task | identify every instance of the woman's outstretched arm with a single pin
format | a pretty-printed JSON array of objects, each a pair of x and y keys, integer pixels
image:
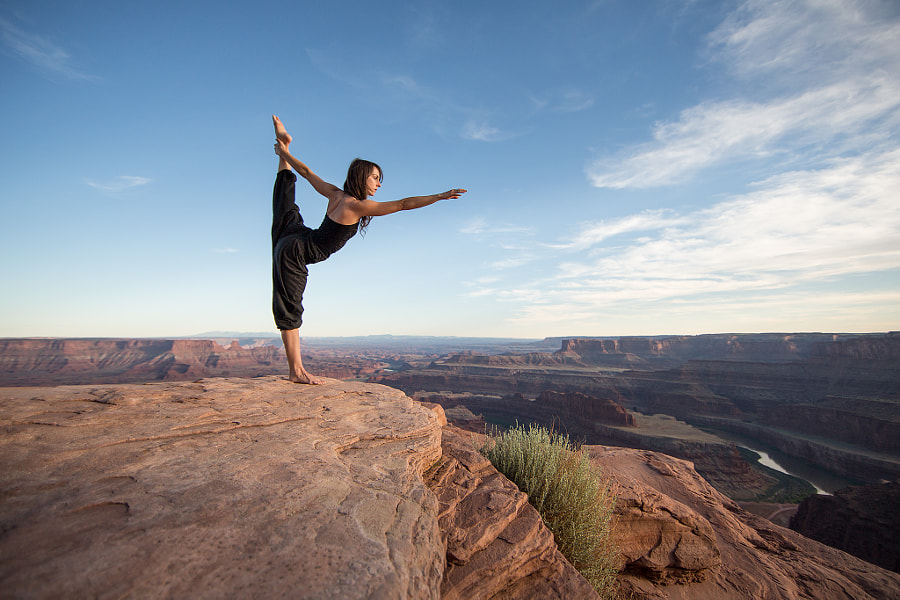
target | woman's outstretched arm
[
  {"x": 371, "y": 208},
  {"x": 320, "y": 185}
]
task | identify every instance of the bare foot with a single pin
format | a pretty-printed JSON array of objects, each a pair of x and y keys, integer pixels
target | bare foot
[
  {"x": 280, "y": 132},
  {"x": 305, "y": 377}
]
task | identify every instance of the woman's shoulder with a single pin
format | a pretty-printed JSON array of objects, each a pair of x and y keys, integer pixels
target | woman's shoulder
[{"x": 345, "y": 211}]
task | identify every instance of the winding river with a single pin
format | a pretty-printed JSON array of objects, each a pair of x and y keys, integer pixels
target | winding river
[
  {"x": 767, "y": 461},
  {"x": 824, "y": 481}
]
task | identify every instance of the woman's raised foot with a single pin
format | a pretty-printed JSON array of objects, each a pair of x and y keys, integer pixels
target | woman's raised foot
[{"x": 280, "y": 132}]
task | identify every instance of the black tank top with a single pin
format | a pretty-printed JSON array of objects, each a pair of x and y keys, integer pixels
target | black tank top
[{"x": 328, "y": 239}]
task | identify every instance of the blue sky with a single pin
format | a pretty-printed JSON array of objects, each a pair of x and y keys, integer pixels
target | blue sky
[{"x": 635, "y": 168}]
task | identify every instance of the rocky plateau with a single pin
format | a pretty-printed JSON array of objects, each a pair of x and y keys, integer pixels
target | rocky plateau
[{"x": 259, "y": 488}]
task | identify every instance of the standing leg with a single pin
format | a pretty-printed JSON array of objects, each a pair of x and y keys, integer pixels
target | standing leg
[
  {"x": 286, "y": 217},
  {"x": 291, "y": 339}
]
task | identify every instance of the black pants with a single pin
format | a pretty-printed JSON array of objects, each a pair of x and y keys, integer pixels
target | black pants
[{"x": 289, "y": 270}]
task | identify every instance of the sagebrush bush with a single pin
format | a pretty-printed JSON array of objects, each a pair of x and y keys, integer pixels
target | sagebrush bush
[{"x": 574, "y": 500}]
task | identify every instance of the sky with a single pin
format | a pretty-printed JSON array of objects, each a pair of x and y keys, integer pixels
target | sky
[{"x": 634, "y": 168}]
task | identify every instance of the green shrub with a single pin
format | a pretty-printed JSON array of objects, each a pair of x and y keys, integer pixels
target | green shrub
[{"x": 574, "y": 500}]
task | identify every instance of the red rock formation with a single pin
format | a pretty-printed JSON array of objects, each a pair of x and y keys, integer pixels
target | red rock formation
[
  {"x": 676, "y": 530},
  {"x": 719, "y": 463},
  {"x": 675, "y": 350},
  {"x": 541, "y": 359},
  {"x": 224, "y": 488},
  {"x": 80, "y": 361},
  {"x": 568, "y": 406},
  {"x": 873, "y": 350},
  {"x": 577, "y": 412},
  {"x": 497, "y": 544},
  {"x": 598, "y": 420},
  {"x": 861, "y": 520}
]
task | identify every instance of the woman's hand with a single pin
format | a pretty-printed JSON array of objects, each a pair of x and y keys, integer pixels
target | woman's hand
[
  {"x": 280, "y": 148},
  {"x": 452, "y": 194}
]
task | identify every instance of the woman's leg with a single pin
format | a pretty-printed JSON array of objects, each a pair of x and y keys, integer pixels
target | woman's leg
[
  {"x": 286, "y": 218},
  {"x": 282, "y": 134},
  {"x": 291, "y": 339}
]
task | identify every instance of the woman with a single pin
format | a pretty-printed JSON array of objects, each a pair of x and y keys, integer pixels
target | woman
[{"x": 294, "y": 245}]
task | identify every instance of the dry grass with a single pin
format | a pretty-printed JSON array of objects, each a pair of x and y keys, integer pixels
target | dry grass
[{"x": 572, "y": 497}]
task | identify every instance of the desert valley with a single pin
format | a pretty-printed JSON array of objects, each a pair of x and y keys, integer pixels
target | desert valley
[{"x": 800, "y": 429}]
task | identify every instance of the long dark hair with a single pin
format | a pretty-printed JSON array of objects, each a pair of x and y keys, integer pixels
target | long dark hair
[{"x": 355, "y": 184}]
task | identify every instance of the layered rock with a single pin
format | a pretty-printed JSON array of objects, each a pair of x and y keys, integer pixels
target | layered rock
[
  {"x": 35, "y": 362},
  {"x": 258, "y": 488},
  {"x": 718, "y": 462},
  {"x": 861, "y": 520},
  {"x": 682, "y": 539},
  {"x": 497, "y": 544},
  {"x": 250, "y": 488},
  {"x": 581, "y": 410},
  {"x": 598, "y": 420},
  {"x": 671, "y": 351},
  {"x": 855, "y": 463},
  {"x": 845, "y": 391}
]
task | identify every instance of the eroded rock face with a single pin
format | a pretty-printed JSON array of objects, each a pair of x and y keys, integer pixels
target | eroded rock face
[
  {"x": 676, "y": 529},
  {"x": 42, "y": 362},
  {"x": 661, "y": 539},
  {"x": 861, "y": 520},
  {"x": 497, "y": 544},
  {"x": 243, "y": 488}
]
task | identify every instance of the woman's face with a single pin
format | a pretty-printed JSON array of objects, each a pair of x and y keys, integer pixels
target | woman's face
[{"x": 373, "y": 182}]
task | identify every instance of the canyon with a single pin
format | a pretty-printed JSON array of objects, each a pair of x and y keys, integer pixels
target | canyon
[
  {"x": 260, "y": 488},
  {"x": 43, "y": 361},
  {"x": 829, "y": 400}
]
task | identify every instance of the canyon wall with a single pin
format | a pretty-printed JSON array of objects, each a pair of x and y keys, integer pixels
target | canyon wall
[
  {"x": 80, "y": 361},
  {"x": 259, "y": 488},
  {"x": 861, "y": 520},
  {"x": 830, "y": 399},
  {"x": 594, "y": 420},
  {"x": 671, "y": 351}
]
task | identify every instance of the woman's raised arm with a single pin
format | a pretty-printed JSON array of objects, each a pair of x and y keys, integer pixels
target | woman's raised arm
[{"x": 320, "y": 185}]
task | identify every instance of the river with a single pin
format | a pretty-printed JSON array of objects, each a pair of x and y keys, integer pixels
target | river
[
  {"x": 767, "y": 461},
  {"x": 824, "y": 481}
]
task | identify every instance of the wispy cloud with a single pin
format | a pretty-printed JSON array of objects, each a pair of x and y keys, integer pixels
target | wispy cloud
[
  {"x": 795, "y": 229},
  {"x": 481, "y": 131},
  {"x": 41, "y": 52},
  {"x": 571, "y": 100},
  {"x": 480, "y": 225},
  {"x": 832, "y": 87},
  {"x": 433, "y": 104},
  {"x": 118, "y": 184},
  {"x": 712, "y": 134},
  {"x": 808, "y": 40},
  {"x": 594, "y": 233}
]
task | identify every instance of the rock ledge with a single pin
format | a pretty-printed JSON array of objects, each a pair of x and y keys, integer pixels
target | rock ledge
[{"x": 250, "y": 488}]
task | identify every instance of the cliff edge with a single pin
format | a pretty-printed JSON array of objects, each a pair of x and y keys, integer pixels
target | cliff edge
[
  {"x": 259, "y": 488},
  {"x": 256, "y": 488},
  {"x": 243, "y": 488}
]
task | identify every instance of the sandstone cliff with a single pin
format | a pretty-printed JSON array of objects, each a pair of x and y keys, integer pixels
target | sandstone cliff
[
  {"x": 861, "y": 520},
  {"x": 258, "y": 488},
  {"x": 253, "y": 488},
  {"x": 677, "y": 531},
  {"x": 671, "y": 351},
  {"x": 31, "y": 362},
  {"x": 829, "y": 399}
]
